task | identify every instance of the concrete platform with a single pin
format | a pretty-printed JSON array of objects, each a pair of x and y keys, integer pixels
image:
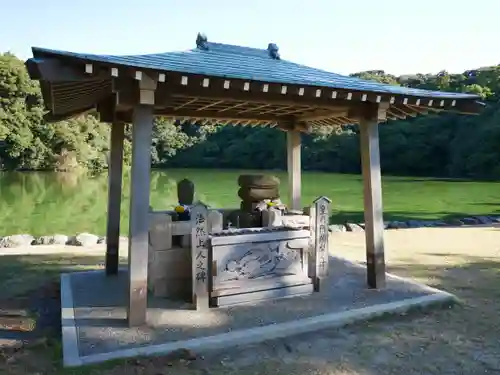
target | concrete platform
[{"x": 94, "y": 327}]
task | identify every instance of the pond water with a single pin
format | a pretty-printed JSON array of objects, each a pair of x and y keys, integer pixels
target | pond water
[{"x": 43, "y": 203}]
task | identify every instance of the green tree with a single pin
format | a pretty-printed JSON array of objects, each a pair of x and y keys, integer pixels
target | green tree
[{"x": 445, "y": 144}]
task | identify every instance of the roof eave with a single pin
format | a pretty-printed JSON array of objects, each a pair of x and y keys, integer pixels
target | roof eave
[
  {"x": 53, "y": 67},
  {"x": 88, "y": 58}
]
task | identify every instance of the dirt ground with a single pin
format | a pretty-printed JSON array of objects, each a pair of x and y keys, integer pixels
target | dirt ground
[{"x": 462, "y": 340}]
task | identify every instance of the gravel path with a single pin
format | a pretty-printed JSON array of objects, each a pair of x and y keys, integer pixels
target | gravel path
[
  {"x": 462, "y": 340},
  {"x": 64, "y": 249}
]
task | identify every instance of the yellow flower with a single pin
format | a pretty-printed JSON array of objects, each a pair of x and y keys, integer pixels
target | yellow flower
[{"x": 180, "y": 209}]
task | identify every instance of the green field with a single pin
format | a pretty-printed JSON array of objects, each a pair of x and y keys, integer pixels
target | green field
[{"x": 49, "y": 203}]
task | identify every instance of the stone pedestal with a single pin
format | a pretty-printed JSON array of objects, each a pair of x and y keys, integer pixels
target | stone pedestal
[
  {"x": 170, "y": 260},
  {"x": 169, "y": 271}
]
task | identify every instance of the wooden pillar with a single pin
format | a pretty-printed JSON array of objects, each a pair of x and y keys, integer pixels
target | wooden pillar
[
  {"x": 372, "y": 192},
  {"x": 294, "y": 169},
  {"x": 139, "y": 212},
  {"x": 115, "y": 169}
]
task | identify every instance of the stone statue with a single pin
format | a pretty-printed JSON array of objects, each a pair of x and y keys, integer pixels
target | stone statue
[{"x": 185, "y": 192}]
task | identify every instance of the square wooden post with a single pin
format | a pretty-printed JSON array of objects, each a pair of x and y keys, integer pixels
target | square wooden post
[
  {"x": 139, "y": 213},
  {"x": 115, "y": 169},
  {"x": 294, "y": 168},
  {"x": 372, "y": 192}
]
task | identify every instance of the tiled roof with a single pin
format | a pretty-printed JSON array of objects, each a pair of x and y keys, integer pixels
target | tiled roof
[{"x": 236, "y": 62}]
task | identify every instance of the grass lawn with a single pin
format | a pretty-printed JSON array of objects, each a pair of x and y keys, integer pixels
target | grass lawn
[
  {"x": 461, "y": 340},
  {"x": 48, "y": 203}
]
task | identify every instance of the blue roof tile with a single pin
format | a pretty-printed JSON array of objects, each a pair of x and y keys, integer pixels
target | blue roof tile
[{"x": 236, "y": 62}]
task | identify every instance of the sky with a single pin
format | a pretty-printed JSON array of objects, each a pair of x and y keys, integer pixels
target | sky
[{"x": 400, "y": 37}]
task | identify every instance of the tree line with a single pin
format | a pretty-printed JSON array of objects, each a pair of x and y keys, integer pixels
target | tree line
[{"x": 444, "y": 145}]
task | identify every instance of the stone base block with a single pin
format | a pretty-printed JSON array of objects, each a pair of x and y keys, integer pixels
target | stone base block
[
  {"x": 175, "y": 288},
  {"x": 169, "y": 272},
  {"x": 186, "y": 242}
]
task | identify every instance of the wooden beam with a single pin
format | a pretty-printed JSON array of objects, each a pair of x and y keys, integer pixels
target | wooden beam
[
  {"x": 372, "y": 192},
  {"x": 293, "y": 148},
  {"x": 50, "y": 69},
  {"x": 395, "y": 113},
  {"x": 404, "y": 110},
  {"x": 107, "y": 109},
  {"x": 419, "y": 110},
  {"x": 341, "y": 111},
  {"x": 235, "y": 94},
  {"x": 51, "y": 117},
  {"x": 115, "y": 169},
  {"x": 139, "y": 214},
  {"x": 219, "y": 115}
]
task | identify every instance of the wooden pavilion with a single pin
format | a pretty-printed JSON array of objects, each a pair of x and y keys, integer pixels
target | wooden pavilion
[{"x": 220, "y": 83}]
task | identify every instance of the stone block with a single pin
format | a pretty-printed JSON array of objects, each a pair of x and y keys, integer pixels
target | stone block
[
  {"x": 215, "y": 221},
  {"x": 186, "y": 242},
  {"x": 175, "y": 262},
  {"x": 160, "y": 231},
  {"x": 178, "y": 288},
  {"x": 181, "y": 228},
  {"x": 296, "y": 221},
  {"x": 271, "y": 218},
  {"x": 169, "y": 273}
]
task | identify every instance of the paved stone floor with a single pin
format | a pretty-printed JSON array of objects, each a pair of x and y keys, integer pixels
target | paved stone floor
[{"x": 99, "y": 308}]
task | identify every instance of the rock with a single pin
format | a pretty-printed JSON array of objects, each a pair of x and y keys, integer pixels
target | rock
[
  {"x": 351, "y": 227},
  {"x": 414, "y": 224},
  {"x": 397, "y": 225},
  {"x": 57, "y": 239},
  {"x": 392, "y": 225},
  {"x": 60, "y": 239},
  {"x": 455, "y": 222},
  {"x": 101, "y": 240},
  {"x": 469, "y": 221},
  {"x": 483, "y": 219},
  {"x": 258, "y": 181},
  {"x": 85, "y": 239},
  {"x": 439, "y": 223},
  {"x": 337, "y": 228},
  {"x": 258, "y": 194},
  {"x": 17, "y": 240}
]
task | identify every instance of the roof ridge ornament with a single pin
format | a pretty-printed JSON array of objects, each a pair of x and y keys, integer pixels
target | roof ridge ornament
[
  {"x": 273, "y": 49},
  {"x": 202, "y": 41}
]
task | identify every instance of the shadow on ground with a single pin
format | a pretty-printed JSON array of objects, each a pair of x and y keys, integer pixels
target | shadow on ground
[
  {"x": 463, "y": 339},
  {"x": 30, "y": 306}
]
